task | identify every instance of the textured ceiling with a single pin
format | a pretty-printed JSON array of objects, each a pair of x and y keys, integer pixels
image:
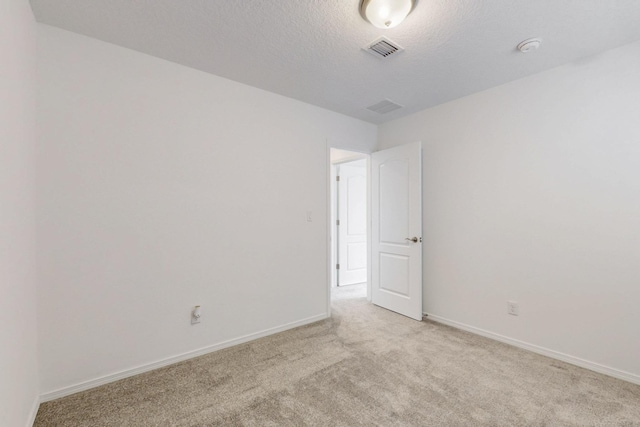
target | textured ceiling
[{"x": 311, "y": 49}]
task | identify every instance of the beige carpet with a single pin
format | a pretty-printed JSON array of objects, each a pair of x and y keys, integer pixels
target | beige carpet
[{"x": 365, "y": 366}]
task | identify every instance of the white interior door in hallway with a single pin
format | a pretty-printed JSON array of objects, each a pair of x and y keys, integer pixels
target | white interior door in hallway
[
  {"x": 352, "y": 222},
  {"x": 396, "y": 220}
]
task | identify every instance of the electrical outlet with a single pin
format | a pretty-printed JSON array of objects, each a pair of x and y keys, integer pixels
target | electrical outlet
[
  {"x": 195, "y": 315},
  {"x": 513, "y": 308}
]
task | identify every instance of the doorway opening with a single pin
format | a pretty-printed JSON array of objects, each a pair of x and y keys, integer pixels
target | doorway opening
[
  {"x": 349, "y": 223},
  {"x": 392, "y": 260}
]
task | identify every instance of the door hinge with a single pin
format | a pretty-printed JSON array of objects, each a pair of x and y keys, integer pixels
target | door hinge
[
  {"x": 337, "y": 177},
  {"x": 337, "y": 266},
  {"x": 337, "y": 222}
]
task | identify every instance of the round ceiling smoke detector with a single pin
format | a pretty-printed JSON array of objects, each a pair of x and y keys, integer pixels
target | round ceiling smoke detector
[{"x": 529, "y": 45}]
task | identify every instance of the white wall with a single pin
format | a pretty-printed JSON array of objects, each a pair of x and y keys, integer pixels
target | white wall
[
  {"x": 532, "y": 193},
  {"x": 162, "y": 187},
  {"x": 18, "y": 334}
]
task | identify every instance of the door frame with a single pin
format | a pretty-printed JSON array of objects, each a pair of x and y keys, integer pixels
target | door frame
[{"x": 331, "y": 227}]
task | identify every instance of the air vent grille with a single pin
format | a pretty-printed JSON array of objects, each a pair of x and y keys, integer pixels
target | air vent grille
[
  {"x": 383, "y": 48},
  {"x": 385, "y": 106}
]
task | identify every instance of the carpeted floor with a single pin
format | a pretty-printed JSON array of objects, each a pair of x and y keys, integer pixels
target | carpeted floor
[{"x": 365, "y": 366}]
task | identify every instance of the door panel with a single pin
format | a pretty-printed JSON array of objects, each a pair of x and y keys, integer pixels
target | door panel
[
  {"x": 394, "y": 274},
  {"x": 352, "y": 231},
  {"x": 357, "y": 256},
  {"x": 396, "y": 199},
  {"x": 356, "y": 202}
]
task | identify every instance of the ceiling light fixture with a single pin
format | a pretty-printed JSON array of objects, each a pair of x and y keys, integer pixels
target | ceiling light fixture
[{"x": 386, "y": 13}]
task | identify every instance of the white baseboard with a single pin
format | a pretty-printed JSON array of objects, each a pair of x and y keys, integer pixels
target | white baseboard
[
  {"x": 612, "y": 372},
  {"x": 85, "y": 385},
  {"x": 33, "y": 412}
]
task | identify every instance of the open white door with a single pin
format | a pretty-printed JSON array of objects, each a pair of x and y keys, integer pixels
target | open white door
[
  {"x": 396, "y": 247},
  {"x": 352, "y": 222}
]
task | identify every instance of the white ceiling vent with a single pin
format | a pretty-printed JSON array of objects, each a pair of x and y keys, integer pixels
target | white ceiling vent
[
  {"x": 383, "y": 48},
  {"x": 385, "y": 106}
]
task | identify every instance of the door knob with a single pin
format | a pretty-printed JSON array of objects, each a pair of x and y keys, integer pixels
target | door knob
[{"x": 412, "y": 239}]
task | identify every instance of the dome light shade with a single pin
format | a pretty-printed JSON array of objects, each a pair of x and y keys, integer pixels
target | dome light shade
[{"x": 385, "y": 13}]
